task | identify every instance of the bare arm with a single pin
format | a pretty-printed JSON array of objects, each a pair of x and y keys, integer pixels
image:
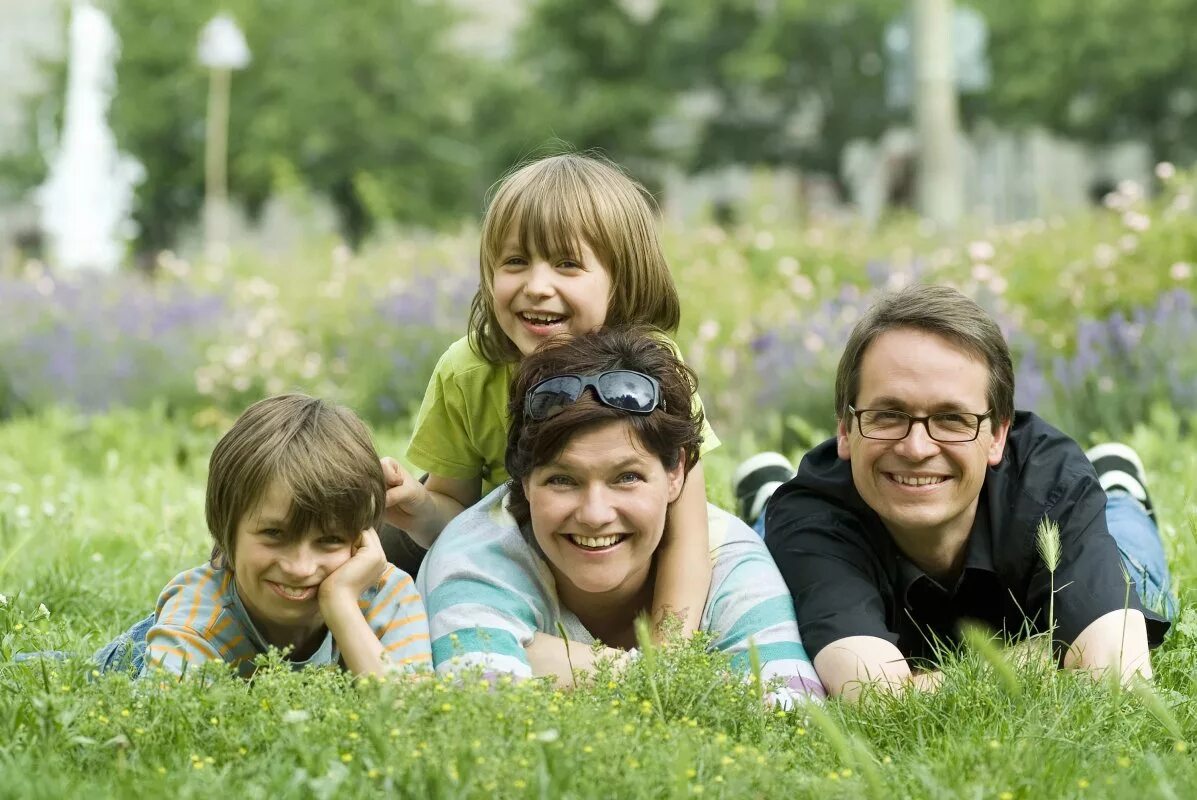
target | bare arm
[
  {"x": 683, "y": 559},
  {"x": 1113, "y": 641},
  {"x": 848, "y": 665},
  {"x": 424, "y": 509},
  {"x": 339, "y": 593},
  {"x": 552, "y": 655}
]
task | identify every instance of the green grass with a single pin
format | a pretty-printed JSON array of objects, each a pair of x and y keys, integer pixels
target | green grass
[{"x": 97, "y": 514}]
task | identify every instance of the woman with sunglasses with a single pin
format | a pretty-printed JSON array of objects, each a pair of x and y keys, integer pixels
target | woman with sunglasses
[{"x": 603, "y": 432}]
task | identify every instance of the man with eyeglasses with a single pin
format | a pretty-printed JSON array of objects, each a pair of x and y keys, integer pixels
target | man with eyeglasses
[{"x": 923, "y": 513}]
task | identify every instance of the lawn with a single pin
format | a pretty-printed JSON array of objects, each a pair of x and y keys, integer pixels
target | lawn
[{"x": 113, "y": 392}]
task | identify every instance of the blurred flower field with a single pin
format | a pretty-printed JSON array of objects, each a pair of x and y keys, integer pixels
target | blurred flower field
[{"x": 1099, "y": 311}]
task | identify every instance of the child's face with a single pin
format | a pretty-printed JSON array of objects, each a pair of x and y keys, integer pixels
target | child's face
[
  {"x": 538, "y": 297},
  {"x": 278, "y": 572}
]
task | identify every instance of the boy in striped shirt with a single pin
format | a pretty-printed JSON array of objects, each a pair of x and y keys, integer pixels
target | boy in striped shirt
[{"x": 295, "y": 492}]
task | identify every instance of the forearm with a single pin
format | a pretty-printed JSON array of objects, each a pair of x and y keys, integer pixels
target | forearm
[
  {"x": 683, "y": 577},
  {"x": 1116, "y": 642},
  {"x": 431, "y": 517},
  {"x": 360, "y": 649},
  {"x": 853, "y": 664},
  {"x": 559, "y": 658}
]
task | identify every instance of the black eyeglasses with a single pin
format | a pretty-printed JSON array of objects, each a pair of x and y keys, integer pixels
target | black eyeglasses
[
  {"x": 951, "y": 427},
  {"x": 623, "y": 389}
]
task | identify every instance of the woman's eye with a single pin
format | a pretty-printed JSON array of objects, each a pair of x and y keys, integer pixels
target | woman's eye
[
  {"x": 559, "y": 480},
  {"x": 271, "y": 533},
  {"x": 630, "y": 477}
]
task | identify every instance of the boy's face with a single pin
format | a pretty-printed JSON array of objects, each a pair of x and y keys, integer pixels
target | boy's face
[
  {"x": 538, "y": 296},
  {"x": 278, "y": 572}
]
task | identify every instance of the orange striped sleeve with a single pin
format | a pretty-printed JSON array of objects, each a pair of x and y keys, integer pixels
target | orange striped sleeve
[
  {"x": 390, "y": 600},
  {"x": 399, "y": 623},
  {"x": 198, "y": 598},
  {"x": 415, "y": 637}
]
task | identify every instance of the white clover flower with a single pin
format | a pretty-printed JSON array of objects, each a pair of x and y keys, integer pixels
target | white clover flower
[
  {"x": 42, "y": 610},
  {"x": 3, "y": 600},
  {"x": 980, "y": 251},
  {"x": 1136, "y": 221},
  {"x": 1165, "y": 170},
  {"x": 1181, "y": 271}
]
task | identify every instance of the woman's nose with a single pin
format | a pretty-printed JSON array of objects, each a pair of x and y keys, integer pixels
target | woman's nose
[{"x": 596, "y": 510}]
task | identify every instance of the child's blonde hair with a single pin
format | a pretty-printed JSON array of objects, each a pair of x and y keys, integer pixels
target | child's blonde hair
[{"x": 556, "y": 201}]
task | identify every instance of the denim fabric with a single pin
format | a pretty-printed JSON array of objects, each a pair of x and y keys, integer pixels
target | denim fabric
[
  {"x": 1142, "y": 552},
  {"x": 126, "y": 652},
  {"x": 758, "y": 525}
]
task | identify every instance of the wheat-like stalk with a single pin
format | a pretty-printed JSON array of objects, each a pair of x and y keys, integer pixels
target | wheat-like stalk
[{"x": 1047, "y": 540}]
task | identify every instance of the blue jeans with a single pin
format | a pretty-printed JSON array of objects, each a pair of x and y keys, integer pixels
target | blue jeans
[
  {"x": 1138, "y": 542},
  {"x": 1142, "y": 551},
  {"x": 126, "y": 652}
]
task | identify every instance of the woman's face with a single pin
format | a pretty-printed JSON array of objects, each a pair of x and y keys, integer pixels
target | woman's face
[{"x": 598, "y": 510}]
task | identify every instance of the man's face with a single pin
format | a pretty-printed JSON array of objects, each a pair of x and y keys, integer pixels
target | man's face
[{"x": 922, "y": 489}]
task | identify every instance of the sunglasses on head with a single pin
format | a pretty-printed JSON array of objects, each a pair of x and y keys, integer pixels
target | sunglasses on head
[{"x": 621, "y": 389}]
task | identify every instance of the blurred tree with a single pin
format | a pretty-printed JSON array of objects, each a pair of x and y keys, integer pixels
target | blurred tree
[
  {"x": 749, "y": 81},
  {"x": 366, "y": 102},
  {"x": 1100, "y": 70}
]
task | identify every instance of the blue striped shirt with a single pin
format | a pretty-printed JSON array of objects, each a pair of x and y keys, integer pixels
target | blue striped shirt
[{"x": 489, "y": 591}]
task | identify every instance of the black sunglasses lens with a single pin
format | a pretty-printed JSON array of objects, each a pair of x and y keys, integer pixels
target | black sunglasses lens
[
  {"x": 627, "y": 391},
  {"x": 549, "y": 397}
]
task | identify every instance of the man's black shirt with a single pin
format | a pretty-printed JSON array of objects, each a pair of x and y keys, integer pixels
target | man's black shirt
[{"x": 849, "y": 578}]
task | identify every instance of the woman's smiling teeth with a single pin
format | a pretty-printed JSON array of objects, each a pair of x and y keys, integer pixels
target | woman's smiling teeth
[
  {"x": 917, "y": 480},
  {"x": 596, "y": 542}
]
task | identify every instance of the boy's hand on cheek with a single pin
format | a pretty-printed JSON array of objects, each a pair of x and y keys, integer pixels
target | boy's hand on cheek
[
  {"x": 405, "y": 494},
  {"x": 363, "y": 569}
]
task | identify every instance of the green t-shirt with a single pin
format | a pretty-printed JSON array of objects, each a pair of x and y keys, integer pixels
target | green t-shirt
[{"x": 461, "y": 428}]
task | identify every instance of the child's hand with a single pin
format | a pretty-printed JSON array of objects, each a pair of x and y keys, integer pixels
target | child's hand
[
  {"x": 363, "y": 569},
  {"x": 405, "y": 494}
]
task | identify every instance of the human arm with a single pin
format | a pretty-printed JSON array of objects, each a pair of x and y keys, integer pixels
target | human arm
[
  {"x": 552, "y": 656},
  {"x": 189, "y": 628},
  {"x": 683, "y": 559},
  {"x": 362, "y": 650},
  {"x": 424, "y": 509},
  {"x": 1114, "y": 641},
  {"x": 848, "y": 665},
  {"x": 750, "y": 610},
  {"x": 483, "y": 586}
]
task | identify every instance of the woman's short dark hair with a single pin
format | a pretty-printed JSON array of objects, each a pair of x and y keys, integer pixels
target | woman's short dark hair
[{"x": 672, "y": 431}]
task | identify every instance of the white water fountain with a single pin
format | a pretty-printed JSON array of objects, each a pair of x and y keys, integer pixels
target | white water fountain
[{"x": 87, "y": 200}]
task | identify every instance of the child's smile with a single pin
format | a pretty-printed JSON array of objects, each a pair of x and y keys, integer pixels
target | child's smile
[
  {"x": 538, "y": 297},
  {"x": 279, "y": 572}
]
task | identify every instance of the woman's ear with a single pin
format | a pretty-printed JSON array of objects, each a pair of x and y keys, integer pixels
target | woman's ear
[{"x": 677, "y": 476}]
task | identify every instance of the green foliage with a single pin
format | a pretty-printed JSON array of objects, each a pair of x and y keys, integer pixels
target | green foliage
[
  {"x": 355, "y": 98},
  {"x": 1102, "y": 71}
]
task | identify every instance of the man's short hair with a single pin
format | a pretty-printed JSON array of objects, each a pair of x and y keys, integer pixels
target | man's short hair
[
  {"x": 321, "y": 452},
  {"x": 674, "y": 427},
  {"x": 940, "y": 310}
]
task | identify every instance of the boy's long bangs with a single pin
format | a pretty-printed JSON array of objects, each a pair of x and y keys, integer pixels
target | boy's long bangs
[{"x": 335, "y": 481}]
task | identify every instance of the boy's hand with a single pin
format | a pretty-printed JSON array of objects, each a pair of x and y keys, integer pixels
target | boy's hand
[
  {"x": 363, "y": 569},
  {"x": 405, "y": 494}
]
